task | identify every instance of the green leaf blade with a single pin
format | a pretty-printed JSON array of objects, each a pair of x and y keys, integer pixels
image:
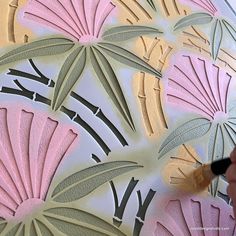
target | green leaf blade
[
  {"x": 230, "y": 29},
  {"x": 216, "y": 38},
  {"x": 108, "y": 78},
  {"x": 42, "y": 47},
  {"x": 70, "y": 73},
  {"x": 85, "y": 181},
  {"x": 193, "y": 19},
  {"x": 188, "y": 131},
  {"x": 128, "y": 58},
  {"x": 123, "y": 33},
  {"x": 81, "y": 219}
]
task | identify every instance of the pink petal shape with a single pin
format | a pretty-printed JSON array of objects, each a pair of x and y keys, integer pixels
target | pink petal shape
[
  {"x": 206, "y": 5},
  {"x": 80, "y": 20},
  {"x": 32, "y": 146},
  {"x": 195, "y": 216},
  {"x": 196, "y": 84}
]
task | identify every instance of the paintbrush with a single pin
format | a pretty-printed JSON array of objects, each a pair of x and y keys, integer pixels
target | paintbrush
[{"x": 203, "y": 176}]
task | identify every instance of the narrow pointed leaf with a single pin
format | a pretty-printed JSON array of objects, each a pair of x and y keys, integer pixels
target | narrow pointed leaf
[
  {"x": 216, "y": 144},
  {"x": 3, "y": 224},
  {"x": 188, "y": 131},
  {"x": 42, "y": 47},
  {"x": 69, "y": 75},
  {"x": 14, "y": 230},
  {"x": 81, "y": 222},
  {"x": 128, "y": 58},
  {"x": 216, "y": 38},
  {"x": 110, "y": 83},
  {"x": 230, "y": 29},
  {"x": 193, "y": 19},
  {"x": 215, "y": 152},
  {"x": 123, "y": 33},
  {"x": 151, "y": 4},
  {"x": 85, "y": 181},
  {"x": 44, "y": 229}
]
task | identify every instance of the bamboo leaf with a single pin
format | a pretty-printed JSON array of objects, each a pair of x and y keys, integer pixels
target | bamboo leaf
[
  {"x": 110, "y": 83},
  {"x": 85, "y": 181},
  {"x": 193, "y": 19},
  {"x": 151, "y": 4},
  {"x": 3, "y": 224},
  {"x": 123, "y": 33},
  {"x": 230, "y": 29},
  {"x": 69, "y": 75},
  {"x": 42, "y": 47},
  {"x": 188, "y": 131},
  {"x": 216, "y": 38},
  {"x": 128, "y": 58},
  {"x": 75, "y": 222},
  {"x": 216, "y": 144}
]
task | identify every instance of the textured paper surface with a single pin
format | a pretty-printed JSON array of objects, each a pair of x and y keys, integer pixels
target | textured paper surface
[{"x": 106, "y": 107}]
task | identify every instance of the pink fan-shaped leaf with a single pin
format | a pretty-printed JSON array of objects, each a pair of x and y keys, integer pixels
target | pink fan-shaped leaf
[
  {"x": 80, "y": 20},
  {"x": 32, "y": 145},
  {"x": 206, "y": 5},
  {"x": 198, "y": 85}
]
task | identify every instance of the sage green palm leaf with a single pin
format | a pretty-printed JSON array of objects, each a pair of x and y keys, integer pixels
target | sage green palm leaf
[
  {"x": 128, "y": 58},
  {"x": 108, "y": 79},
  {"x": 123, "y": 33},
  {"x": 85, "y": 181},
  {"x": 216, "y": 38},
  {"x": 69, "y": 74},
  {"x": 75, "y": 222},
  {"x": 42, "y": 47}
]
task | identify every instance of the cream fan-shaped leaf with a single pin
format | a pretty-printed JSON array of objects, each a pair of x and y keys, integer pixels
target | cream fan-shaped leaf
[
  {"x": 77, "y": 222},
  {"x": 85, "y": 181}
]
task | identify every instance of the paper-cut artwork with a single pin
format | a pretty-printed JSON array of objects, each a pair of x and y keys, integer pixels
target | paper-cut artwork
[{"x": 106, "y": 106}]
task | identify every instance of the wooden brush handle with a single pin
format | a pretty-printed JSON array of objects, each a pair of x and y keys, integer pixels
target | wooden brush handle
[{"x": 219, "y": 167}]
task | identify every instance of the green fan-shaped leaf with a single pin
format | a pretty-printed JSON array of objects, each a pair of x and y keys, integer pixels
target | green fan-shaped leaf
[
  {"x": 230, "y": 29},
  {"x": 128, "y": 58},
  {"x": 188, "y": 131},
  {"x": 193, "y": 19},
  {"x": 215, "y": 152},
  {"x": 85, "y": 181},
  {"x": 123, "y": 33},
  {"x": 69, "y": 75},
  {"x": 42, "y": 47},
  {"x": 151, "y": 4},
  {"x": 216, "y": 38},
  {"x": 110, "y": 83},
  {"x": 76, "y": 222}
]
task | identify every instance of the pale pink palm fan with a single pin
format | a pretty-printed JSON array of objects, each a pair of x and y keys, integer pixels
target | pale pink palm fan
[
  {"x": 195, "y": 216},
  {"x": 198, "y": 85},
  {"x": 80, "y": 20},
  {"x": 32, "y": 145},
  {"x": 206, "y": 5}
]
